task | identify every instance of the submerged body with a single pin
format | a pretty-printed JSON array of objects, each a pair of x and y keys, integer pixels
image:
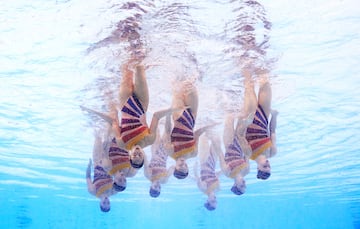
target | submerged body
[
  {"x": 184, "y": 140},
  {"x": 156, "y": 170},
  {"x": 260, "y": 134},
  {"x": 208, "y": 181}
]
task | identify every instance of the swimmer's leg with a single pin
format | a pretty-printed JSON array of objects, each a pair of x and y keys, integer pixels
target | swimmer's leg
[
  {"x": 191, "y": 99},
  {"x": 204, "y": 149},
  {"x": 250, "y": 105},
  {"x": 126, "y": 85},
  {"x": 265, "y": 94},
  {"x": 140, "y": 87},
  {"x": 228, "y": 134},
  {"x": 177, "y": 101},
  {"x": 250, "y": 101}
]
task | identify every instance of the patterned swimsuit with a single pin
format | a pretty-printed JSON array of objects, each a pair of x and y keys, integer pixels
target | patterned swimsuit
[
  {"x": 207, "y": 173},
  {"x": 235, "y": 158},
  {"x": 102, "y": 180},
  {"x": 119, "y": 158},
  {"x": 158, "y": 163},
  {"x": 182, "y": 135},
  {"x": 133, "y": 122},
  {"x": 257, "y": 133}
]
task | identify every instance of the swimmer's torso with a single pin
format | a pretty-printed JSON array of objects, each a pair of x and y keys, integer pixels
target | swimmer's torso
[
  {"x": 258, "y": 135},
  {"x": 157, "y": 163},
  {"x": 235, "y": 158},
  {"x": 182, "y": 135},
  {"x": 119, "y": 159},
  {"x": 103, "y": 182},
  {"x": 133, "y": 122}
]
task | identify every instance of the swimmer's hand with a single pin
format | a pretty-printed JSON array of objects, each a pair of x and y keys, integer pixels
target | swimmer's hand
[{"x": 162, "y": 113}]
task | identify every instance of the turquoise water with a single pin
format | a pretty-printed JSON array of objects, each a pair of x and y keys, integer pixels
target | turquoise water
[{"x": 45, "y": 139}]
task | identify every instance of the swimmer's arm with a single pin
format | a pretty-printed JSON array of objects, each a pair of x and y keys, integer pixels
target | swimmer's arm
[
  {"x": 169, "y": 172},
  {"x": 273, "y": 148},
  {"x": 120, "y": 142},
  {"x": 132, "y": 172},
  {"x": 90, "y": 185},
  {"x": 243, "y": 123},
  {"x": 117, "y": 132},
  {"x": 196, "y": 176},
  {"x": 223, "y": 165},
  {"x": 158, "y": 115},
  {"x": 195, "y": 171},
  {"x": 157, "y": 141},
  {"x": 147, "y": 170},
  {"x": 201, "y": 130},
  {"x": 245, "y": 147},
  {"x": 113, "y": 192},
  {"x": 150, "y": 139},
  {"x": 216, "y": 148},
  {"x": 197, "y": 135},
  {"x": 247, "y": 151},
  {"x": 273, "y": 121},
  {"x": 167, "y": 130},
  {"x": 115, "y": 127},
  {"x": 106, "y": 117},
  {"x": 246, "y": 171},
  {"x": 113, "y": 121},
  {"x": 201, "y": 184}
]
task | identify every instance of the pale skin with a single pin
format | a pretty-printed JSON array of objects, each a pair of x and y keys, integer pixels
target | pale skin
[
  {"x": 264, "y": 99},
  {"x": 156, "y": 184}
]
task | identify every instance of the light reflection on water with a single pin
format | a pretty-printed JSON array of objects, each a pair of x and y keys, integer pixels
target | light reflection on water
[{"x": 46, "y": 140}]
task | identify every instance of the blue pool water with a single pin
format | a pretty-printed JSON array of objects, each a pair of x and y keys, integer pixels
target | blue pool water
[{"x": 47, "y": 71}]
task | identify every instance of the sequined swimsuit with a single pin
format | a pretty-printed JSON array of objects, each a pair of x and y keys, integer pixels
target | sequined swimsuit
[
  {"x": 133, "y": 122},
  {"x": 257, "y": 133},
  {"x": 119, "y": 158},
  {"x": 102, "y": 180},
  {"x": 207, "y": 173},
  {"x": 182, "y": 135},
  {"x": 235, "y": 158},
  {"x": 158, "y": 163}
]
